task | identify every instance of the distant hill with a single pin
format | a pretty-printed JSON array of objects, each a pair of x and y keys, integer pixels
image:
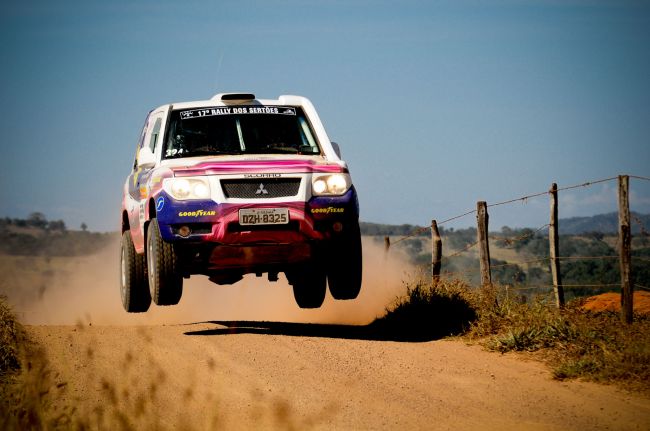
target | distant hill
[
  {"x": 374, "y": 229},
  {"x": 37, "y": 236},
  {"x": 603, "y": 223}
]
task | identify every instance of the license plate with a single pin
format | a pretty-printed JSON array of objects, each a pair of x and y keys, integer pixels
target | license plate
[{"x": 262, "y": 216}]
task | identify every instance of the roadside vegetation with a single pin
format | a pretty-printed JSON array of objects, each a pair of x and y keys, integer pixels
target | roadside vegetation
[
  {"x": 33, "y": 396},
  {"x": 11, "y": 334},
  {"x": 38, "y": 236},
  {"x": 574, "y": 342},
  {"x": 28, "y": 389},
  {"x": 518, "y": 255}
]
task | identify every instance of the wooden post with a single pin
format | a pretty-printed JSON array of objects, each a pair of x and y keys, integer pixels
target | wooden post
[
  {"x": 436, "y": 251},
  {"x": 483, "y": 246},
  {"x": 625, "y": 250},
  {"x": 554, "y": 244},
  {"x": 386, "y": 245}
]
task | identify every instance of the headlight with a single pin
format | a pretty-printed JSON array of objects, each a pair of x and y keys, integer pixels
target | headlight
[
  {"x": 187, "y": 188},
  {"x": 330, "y": 185}
]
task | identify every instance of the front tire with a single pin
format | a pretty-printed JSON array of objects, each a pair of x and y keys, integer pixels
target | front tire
[
  {"x": 345, "y": 266},
  {"x": 165, "y": 279},
  {"x": 309, "y": 285},
  {"x": 134, "y": 288}
]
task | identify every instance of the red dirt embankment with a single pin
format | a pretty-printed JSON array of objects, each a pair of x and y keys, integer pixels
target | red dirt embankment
[{"x": 612, "y": 302}]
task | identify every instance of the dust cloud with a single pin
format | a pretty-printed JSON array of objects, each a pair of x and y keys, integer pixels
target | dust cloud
[{"x": 67, "y": 291}]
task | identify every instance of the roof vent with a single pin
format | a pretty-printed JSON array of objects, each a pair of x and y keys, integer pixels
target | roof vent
[{"x": 234, "y": 96}]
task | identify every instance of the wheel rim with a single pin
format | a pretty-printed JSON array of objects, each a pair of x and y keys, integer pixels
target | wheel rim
[
  {"x": 151, "y": 266},
  {"x": 123, "y": 271}
]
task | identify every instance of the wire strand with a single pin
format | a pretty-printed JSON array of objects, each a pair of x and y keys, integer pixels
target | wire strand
[
  {"x": 508, "y": 241},
  {"x": 458, "y": 252},
  {"x": 457, "y": 217},
  {"x": 416, "y": 232},
  {"x": 586, "y": 257},
  {"x": 589, "y": 183},
  {"x": 501, "y": 265},
  {"x": 523, "y": 198}
]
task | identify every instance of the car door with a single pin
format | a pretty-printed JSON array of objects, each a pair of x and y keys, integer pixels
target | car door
[{"x": 139, "y": 179}]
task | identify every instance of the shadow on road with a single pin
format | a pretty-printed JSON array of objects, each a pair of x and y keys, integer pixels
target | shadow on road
[
  {"x": 375, "y": 331},
  {"x": 428, "y": 314}
]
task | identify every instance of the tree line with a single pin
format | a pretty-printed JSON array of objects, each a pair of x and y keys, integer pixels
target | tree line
[
  {"x": 38, "y": 236},
  {"x": 528, "y": 244}
]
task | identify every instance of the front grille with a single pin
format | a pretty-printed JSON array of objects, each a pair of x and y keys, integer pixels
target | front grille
[{"x": 261, "y": 188}]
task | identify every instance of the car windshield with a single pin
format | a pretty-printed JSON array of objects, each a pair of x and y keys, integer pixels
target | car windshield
[{"x": 239, "y": 130}]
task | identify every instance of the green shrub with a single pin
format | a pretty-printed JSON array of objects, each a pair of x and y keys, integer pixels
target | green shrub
[
  {"x": 428, "y": 311},
  {"x": 576, "y": 343}
]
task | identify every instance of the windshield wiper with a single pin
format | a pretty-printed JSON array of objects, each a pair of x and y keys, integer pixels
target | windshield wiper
[
  {"x": 203, "y": 153},
  {"x": 277, "y": 150},
  {"x": 211, "y": 153}
]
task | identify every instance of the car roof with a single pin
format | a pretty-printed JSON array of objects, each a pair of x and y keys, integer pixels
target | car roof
[{"x": 234, "y": 99}]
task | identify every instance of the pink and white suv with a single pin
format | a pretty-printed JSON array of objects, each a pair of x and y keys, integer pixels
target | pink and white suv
[{"x": 236, "y": 185}]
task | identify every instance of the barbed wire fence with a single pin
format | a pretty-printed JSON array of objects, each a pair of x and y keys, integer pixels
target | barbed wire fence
[{"x": 553, "y": 259}]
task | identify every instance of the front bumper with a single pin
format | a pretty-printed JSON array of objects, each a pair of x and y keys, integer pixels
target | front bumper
[{"x": 217, "y": 241}]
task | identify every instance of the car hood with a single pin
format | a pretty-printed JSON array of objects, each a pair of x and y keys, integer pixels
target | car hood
[{"x": 232, "y": 165}]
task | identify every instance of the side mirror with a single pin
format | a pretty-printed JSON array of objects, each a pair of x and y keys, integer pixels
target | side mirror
[
  {"x": 146, "y": 157},
  {"x": 337, "y": 149}
]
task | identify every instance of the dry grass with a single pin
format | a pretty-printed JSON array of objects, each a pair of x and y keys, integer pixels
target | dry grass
[
  {"x": 576, "y": 343},
  {"x": 10, "y": 335},
  {"x": 135, "y": 396},
  {"x": 27, "y": 385}
]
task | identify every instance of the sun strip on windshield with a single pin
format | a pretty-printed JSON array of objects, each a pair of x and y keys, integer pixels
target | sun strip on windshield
[{"x": 236, "y": 110}]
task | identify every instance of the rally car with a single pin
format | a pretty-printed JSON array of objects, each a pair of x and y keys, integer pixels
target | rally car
[{"x": 237, "y": 185}]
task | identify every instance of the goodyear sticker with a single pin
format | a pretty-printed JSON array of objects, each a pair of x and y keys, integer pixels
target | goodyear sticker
[
  {"x": 328, "y": 210},
  {"x": 197, "y": 213}
]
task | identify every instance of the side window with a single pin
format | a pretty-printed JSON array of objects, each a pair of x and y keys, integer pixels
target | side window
[
  {"x": 141, "y": 140},
  {"x": 155, "y": 133}
]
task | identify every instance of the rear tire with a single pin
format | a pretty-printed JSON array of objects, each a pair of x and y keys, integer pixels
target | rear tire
[
  {"x": 134, "y": 286},
  {"x": 165, "y": 278},
  {"x": 344, "y": 273},
  {"x": 309, "y": 285}
]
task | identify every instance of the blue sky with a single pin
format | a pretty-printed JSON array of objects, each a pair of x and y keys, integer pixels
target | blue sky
[{"x": 435, "y": 104}]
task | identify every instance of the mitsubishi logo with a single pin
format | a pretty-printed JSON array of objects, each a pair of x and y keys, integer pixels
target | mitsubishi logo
[{"x": 261, "y": 190}]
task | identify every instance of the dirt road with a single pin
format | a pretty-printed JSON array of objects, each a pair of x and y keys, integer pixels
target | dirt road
[
  {"x": 253, "y": 375},
  {"x": 162, "y": 371}
]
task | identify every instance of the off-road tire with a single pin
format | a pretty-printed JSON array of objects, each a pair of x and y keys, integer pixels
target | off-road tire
[
  {"x": 134, "y": 286},
  {"x": 309, "y": 285},
  {"x": 165, "y": 278},
  {"x": 344, "y": 272}
]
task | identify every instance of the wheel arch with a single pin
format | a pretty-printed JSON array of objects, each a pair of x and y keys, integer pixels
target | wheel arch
[
  {"x": 125, "y": 221},
  {"x": 151, "y": 209},
  {"x": 149, "y": 215}
]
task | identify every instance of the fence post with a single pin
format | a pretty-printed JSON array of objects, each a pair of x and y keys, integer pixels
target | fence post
[
  {"x": 436, "y": 251},
  {"x": 483, "y": 246},
  {"x": 386, "y": 245},
  {"x": 625, "y": 252},
  {"x": 554, "y": 244}
]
